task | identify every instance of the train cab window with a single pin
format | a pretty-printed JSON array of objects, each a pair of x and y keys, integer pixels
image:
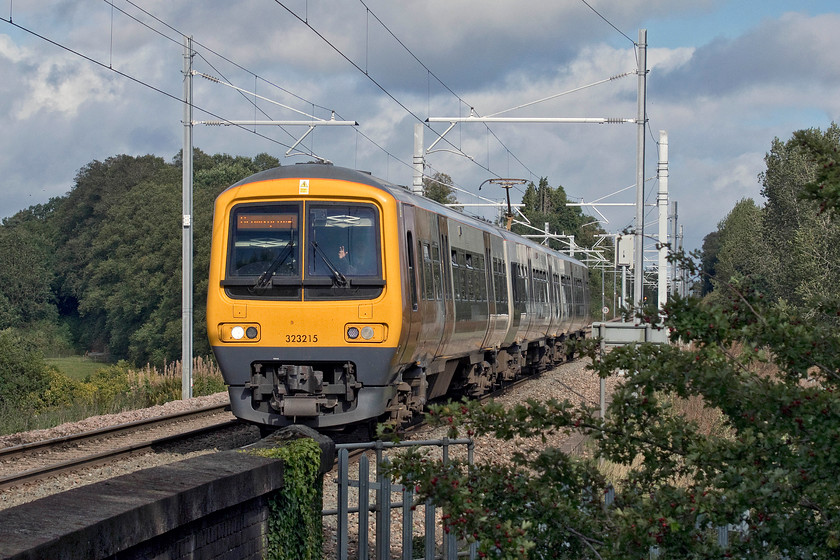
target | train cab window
[
  {"x": 343, "y": 251},
  {"x": 264, "y": 253}
]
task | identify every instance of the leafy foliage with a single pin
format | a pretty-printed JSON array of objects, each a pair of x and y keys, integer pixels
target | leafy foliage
[
  {"x": 544, "y": 204},
  {"x": 823, "y": 151},
  {"x": 22, "y": 370},
  {"x": 735, "y": 257},
  {"x": 770, "y": 378},
  {"x": 294, "y": 524},
  {"x": 25, "y": 279},
  {"x": 36, "y": 395},
  {"x": 790, "y": 246},
  {"x": 438, "y": 187}
]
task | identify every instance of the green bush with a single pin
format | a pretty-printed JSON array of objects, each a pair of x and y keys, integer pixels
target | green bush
[
  {"x": 22, "y": 369},
  {"x": 294, "y": 524},
  {"x": 38, "y": 395}
]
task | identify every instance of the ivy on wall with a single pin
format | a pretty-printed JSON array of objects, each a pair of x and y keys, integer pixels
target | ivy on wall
[{"x": 294, "y": 522}]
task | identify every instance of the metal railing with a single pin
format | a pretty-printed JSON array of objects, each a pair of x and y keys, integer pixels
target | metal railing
[{"x": 445, "y": 548}]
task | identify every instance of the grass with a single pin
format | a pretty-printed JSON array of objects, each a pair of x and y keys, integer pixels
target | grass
[
  {"x": 79, "y": 388},
  {"x": 76, "y": 367}
]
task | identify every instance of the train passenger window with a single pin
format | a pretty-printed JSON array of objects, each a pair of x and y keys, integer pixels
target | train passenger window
[
  {"x": 566, "y": 282},
  {"x": 436, "y": 270},
  {"x": 428, "y": 281},
  {"x": 499, "y": 282},
  {"x": 411, "y": 267}
]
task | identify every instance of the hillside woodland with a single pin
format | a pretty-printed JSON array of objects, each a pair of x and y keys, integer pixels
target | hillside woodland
[{"x": 98, "y": 270}]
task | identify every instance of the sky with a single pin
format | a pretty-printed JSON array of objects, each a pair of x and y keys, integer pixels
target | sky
[{"x": 84, "y": 80}]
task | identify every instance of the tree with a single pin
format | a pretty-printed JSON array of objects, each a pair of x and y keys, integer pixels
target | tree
[
  {"x": 546, "y": 205},
  {"x": 742, "y": 248},
  {"x": 799, "y": 184},
  {"x": 438, "y": 187},
  {"x": 708, "y": 261},
  {"x": 105, "y": 260},
  {"x": 770, "y": 378},
  {"x": 25, "y": 279},
  {"x": 23, "y": 371}
]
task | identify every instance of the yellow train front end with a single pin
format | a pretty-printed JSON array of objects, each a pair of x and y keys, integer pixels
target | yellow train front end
[{"x": 304, "y": 306}]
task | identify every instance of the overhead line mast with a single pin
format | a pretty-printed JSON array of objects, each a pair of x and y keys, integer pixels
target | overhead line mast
[
  {"x": 187, "y": 233},
  {"x": 641, "y": 122}
]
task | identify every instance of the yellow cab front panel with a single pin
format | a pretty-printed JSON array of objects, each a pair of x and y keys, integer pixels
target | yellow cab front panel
[{"x": 304, "y": 304}]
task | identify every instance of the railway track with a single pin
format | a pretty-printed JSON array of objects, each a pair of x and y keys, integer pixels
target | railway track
[
  {"x": 35, "y": 461},
  {"x": 31, "y": 462}
]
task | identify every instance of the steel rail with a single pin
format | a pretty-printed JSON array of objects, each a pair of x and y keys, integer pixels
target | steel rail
[{"x": 102, "y": 457}]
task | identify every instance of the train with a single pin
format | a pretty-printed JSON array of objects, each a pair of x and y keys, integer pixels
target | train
[{"x": 337, "y": 299}]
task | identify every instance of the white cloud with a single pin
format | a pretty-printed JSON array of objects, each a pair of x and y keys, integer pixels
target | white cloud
[
  {"x": 10, "y": 51},
  {"x": 62, "y": 86},
  {"x": 721, "y": 102},
  {"x": 738, "y": 177}
]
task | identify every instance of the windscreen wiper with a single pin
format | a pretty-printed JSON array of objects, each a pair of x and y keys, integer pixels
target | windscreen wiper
[
  {"x": 265, "y": 278},
  {"x": 338, "y": 277}
]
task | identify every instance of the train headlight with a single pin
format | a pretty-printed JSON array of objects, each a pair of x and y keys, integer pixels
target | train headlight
[
  {"x": 365, "y": 332},
  {"x": 239, "y": 332}
]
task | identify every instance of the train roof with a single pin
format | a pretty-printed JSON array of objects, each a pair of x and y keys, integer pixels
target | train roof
[{"x": 329, "y": 171}]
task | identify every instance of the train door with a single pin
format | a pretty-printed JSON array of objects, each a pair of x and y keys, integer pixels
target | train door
[
  {"x": 492, "y": 316},
  {"x": 448, "y": 319},
  {"x": 431, "y": 279},
  {"x": 410, "y": 286}
]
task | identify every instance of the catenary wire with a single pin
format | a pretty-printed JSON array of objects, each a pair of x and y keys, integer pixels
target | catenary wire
[
  {"x": 226, "y": 59},
  {"x": 256, "y": 76},
  {"x": 588, "y": 5},
  {"x": 132, "y": 78},
  {"x": 449, "y": 89},
  {"x": 141, "y": 82}
]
